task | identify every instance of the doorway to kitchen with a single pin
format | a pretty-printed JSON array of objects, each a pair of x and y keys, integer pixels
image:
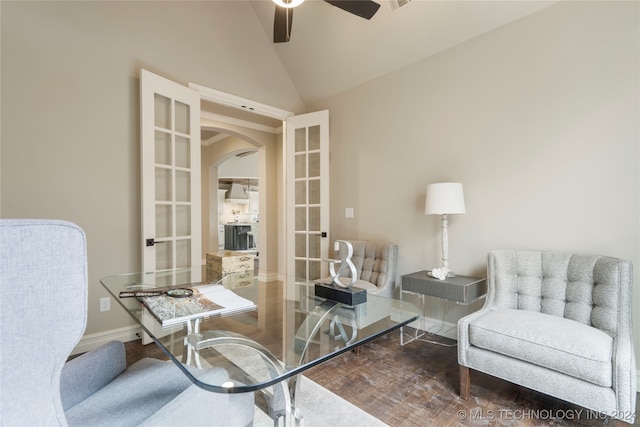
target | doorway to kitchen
[
  {"x": 239, "y": 203},
  {"x": 240, "y": 193}
]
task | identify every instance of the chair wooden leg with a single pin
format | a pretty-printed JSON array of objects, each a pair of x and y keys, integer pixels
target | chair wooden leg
[{"x": 465, "y": 382}]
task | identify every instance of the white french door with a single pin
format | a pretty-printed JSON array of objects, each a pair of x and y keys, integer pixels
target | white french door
[
  {"x": 307, "y": 188},
  {"x": 170, "y": 173},
  {"x": 171, "y": 182}
]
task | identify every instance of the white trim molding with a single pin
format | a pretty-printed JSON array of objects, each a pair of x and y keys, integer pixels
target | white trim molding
[
  {"x": 93, "y": 341},
  {"x": 238, "y": 102},
  {"x": 267, "y": 276},
  {"x": 238, "y": 122}
]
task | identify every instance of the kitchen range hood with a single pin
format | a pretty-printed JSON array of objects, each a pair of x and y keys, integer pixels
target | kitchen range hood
[{"x": 237, "y": 194}]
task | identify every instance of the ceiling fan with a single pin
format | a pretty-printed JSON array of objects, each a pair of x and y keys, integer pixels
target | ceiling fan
[{"x": 284, "y": 14}]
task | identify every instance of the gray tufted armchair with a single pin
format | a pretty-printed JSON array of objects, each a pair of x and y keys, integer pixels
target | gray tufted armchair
[
  {"x": 558, "y": 323},
  {"x": 376, "y": 265}
]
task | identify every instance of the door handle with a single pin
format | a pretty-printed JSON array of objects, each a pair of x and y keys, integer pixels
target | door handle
[{"x": 153, "y": 242}]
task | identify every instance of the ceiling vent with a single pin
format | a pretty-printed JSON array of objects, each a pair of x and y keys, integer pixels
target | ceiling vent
[{"x": 396, "y": 5}]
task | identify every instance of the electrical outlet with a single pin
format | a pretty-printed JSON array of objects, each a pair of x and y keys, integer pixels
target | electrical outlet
[
  {"x": 105, "y": 304},
  {"x": 348, "y": 212}
]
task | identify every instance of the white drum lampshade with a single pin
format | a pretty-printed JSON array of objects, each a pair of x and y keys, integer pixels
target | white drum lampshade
[{"x": 444, "y": 198}]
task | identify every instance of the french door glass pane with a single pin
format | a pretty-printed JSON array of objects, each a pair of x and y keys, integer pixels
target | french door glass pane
[
  {"x": 183, "y": 220},
  {"x": 314, "y": 138},
  {"x": 183, "y": 186},
  {"x": 314, "y": 164},
  {"x": 314, "y": 219},
  {"x": 301, "y": 245},
  {"x": 164, "y": 256},
  {"x": 163, "y": 185},
  {"x": 314, "y": 192},
  {"x": 301, "y": 269},
  {"x": 300, "y": 140},
  {"x": 163, "y": 148},
  {"x": 301, "y": 192},
  {"x": 182, "y": 117},
  {"x": 301, "y": 219},
  {"x": 314, "y": 270},
  {"x": 182, "y": 152},
  {"x": 163, "y": 221},
  {"x": 314, "y": 246},
  {"x": 301, "y": 165},
  {"x": 162, "y": 116},
  {"x": 183, "y": 253}
]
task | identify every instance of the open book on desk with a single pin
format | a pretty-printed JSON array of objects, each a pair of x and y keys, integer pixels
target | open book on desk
[{"x": 207, "y": 300}]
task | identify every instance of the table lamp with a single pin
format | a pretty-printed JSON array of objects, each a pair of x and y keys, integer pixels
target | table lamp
[{"x": 444, "y": 198}]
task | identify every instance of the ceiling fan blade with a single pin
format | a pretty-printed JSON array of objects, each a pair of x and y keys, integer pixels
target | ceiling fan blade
[
  {"x": 362, "y": 8},
  {"x": 282, "y": 24}
]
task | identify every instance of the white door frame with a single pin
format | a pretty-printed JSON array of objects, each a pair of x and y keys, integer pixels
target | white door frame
[
  {"x": 239, "y": 103},
  {"x": 247, "y": 105}
]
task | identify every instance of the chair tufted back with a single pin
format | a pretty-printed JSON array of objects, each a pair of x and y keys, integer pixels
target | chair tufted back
[
  {"x": 375, "y": 262},
  {"x": 585, "y": 288}
]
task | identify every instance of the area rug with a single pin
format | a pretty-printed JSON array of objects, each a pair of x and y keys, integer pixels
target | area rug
[{"x": 320, "y": 407}]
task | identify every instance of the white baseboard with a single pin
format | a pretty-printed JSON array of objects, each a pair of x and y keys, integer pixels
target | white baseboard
[
  {"x": 267, "y": 276},
  {"x": 92, "y": 341}
]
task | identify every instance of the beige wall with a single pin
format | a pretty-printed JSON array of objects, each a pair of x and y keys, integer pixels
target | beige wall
[
  {"x": 540, "y": 122},
  {"x": 70, "y": 120},
  {"x": 538, "y": 119}
]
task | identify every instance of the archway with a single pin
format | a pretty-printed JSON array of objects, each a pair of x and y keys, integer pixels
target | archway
[{"x": 228, "y": 141}]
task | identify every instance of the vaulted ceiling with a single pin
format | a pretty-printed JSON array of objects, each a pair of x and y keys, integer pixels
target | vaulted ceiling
[{"x": 332, "y": 51}]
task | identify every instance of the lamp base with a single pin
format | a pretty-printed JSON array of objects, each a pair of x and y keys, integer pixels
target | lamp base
[{"x": 347, "y": 296}]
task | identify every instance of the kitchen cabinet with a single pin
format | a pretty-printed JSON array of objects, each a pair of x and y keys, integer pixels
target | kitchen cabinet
[
  {"x": 235, "y": 236},
  {"x": 253, "y": 202}
]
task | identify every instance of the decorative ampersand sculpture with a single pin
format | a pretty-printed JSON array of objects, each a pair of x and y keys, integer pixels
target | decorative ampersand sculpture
[{"x": 344, "y": 265}]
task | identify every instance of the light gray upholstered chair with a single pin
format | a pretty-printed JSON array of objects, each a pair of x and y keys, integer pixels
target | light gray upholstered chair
[
  {"x": 43, "y": 297},
  {"x": 558, "y": 323},
  {"x": 376, "y": 264}
]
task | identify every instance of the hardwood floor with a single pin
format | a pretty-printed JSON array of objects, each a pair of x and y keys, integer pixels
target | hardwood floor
[{"x": 417, "y": 385}]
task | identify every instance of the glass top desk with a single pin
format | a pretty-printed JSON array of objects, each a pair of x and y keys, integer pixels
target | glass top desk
[{"x": 286, "y": 331}]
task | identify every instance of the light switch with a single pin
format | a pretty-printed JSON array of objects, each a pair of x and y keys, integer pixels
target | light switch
[{"x": 348, "y": 213}]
